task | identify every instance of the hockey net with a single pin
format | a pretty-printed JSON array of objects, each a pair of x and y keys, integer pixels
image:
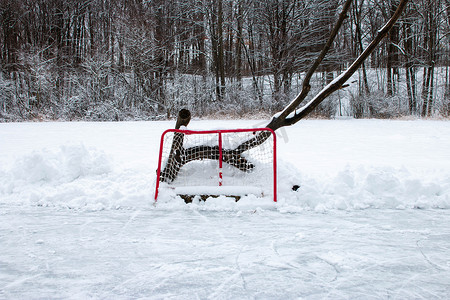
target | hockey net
[{"x": 232, "y": 163}]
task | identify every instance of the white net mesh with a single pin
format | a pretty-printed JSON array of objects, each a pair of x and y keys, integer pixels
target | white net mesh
[{"x": 192, "y": 159}]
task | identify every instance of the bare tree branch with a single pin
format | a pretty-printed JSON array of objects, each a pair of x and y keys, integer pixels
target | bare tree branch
[{"x": 291, "y": 115}]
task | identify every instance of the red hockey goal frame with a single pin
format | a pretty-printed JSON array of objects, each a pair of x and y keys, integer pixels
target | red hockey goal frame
[{"x": 220, "y": 160}]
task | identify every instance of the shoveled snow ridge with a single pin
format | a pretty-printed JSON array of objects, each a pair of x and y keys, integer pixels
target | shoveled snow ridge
[{"x": 78, "y": 177}]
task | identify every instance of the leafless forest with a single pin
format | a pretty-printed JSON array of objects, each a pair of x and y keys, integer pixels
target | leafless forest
[{"x": 123, "y": 60}]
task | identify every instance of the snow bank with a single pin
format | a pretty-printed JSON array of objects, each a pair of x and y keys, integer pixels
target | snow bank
[
  {"x": 343, "y": 165},
  {"x": 68, "y": 164},
  {"x": 83, "y": 178},
  {"x": 71, "y": 177},
  {"x": 365, "y": 187}
]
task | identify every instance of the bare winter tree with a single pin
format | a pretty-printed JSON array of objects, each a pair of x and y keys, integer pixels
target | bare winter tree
[{"x": 291, "y": 114}]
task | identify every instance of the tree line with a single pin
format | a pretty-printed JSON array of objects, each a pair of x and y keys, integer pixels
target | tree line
[{"x": 118, "y": 60}]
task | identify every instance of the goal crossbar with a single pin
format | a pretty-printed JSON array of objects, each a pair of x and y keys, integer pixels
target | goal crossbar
[{"x": 219, "y": 188}]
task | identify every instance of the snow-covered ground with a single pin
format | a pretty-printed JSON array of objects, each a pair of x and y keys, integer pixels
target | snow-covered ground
[{"x": 371, "y": 219}]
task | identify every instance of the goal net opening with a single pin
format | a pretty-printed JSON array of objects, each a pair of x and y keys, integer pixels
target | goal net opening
[{"x": 234, "y": 163}]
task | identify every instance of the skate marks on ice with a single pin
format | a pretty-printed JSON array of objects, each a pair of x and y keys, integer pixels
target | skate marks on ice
[{"x": 215, "y": 254}]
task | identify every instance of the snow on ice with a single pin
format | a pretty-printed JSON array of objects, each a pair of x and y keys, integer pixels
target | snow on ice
[{"x": 370, "y": 219}]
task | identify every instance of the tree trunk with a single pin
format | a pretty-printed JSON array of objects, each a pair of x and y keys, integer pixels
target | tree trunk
[
  {"x": 358, "y": 35},
  {"x": 409, "y": 68},
  {"x": 239, "y": 41}
]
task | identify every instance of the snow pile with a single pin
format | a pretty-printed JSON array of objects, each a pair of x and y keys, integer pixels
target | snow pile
[
  {"x": 365, "y": 187},
  {"x": 68, "y": 164},
  {"x": 353, "y": 188},
  {"x": 362, "y": 165},
  {"x": 71, "y": 177},
  {"x": 81, "y": 178}
]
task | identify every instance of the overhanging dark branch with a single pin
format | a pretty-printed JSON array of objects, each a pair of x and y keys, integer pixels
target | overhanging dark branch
[
  {"x": 291, "y": 115},
  {"x": 278, "y": 121}
]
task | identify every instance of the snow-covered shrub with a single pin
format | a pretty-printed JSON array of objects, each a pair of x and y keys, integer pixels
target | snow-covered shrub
[{"x": 377, "y": 105}]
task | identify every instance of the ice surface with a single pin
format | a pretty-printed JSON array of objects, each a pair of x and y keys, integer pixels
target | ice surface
[{"x": 370, "y": 220}]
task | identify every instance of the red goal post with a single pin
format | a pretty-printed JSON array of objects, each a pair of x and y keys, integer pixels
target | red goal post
[{"x": 197, "y": 161}]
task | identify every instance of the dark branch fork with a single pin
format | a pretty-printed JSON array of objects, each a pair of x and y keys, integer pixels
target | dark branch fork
[
  {"x": 290, "y": 115},
  {"x": 179, "y": 156},
  {"x": 182, "y": 156}
]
